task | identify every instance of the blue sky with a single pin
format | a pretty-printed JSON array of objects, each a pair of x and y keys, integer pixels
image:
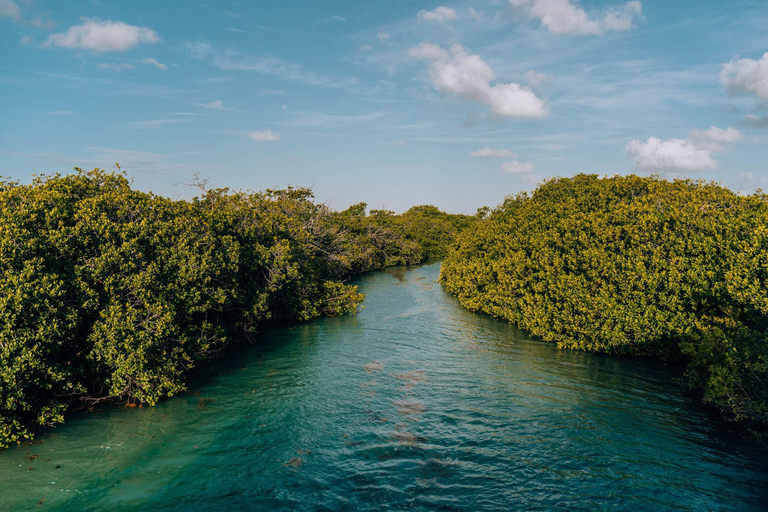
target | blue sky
[{"x": 393, "y": 103}]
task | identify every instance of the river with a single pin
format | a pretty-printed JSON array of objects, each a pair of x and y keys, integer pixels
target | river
[{"x": 413, "y": 404}]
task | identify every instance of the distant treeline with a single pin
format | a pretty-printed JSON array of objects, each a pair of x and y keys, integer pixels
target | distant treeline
[
  {"x": 631, "y": 265},
  {"x": 111, "y": 293}
]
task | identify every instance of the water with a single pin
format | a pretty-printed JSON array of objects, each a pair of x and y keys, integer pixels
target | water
[{"x": 414, "y": 404}]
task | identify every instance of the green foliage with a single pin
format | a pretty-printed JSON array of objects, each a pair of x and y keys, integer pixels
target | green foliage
[
  {"x": 383, "y": 239},
  {"x": 109, "y": 292},
  {"x": 631, "y": 265}
]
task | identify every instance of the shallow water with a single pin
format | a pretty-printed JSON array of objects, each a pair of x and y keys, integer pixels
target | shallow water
[{"x": 414, "y": 404}]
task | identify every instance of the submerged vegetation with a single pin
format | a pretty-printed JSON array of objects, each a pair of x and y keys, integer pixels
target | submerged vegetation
[
  {"x": 637, "y": 266},
  {"x": 111, "y": 293}
]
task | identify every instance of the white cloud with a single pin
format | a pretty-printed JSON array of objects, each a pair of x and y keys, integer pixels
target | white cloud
[
  {"x": 383, "y": 37},
  {"x": 264, "y": 135},
  {"x": 440, "y": 14},
  {"x": 103, "y": 36},
  {"x": 335, "y": 17},
  {"x": 515, "y": 167},
  {"x": 323, "y": 120},
  {"x": 154, "y": 62},
  {"x": 713, "y": 138},
  {"x": 691, "y": 154},
  {"x": 746, "y": 76},
  {"x": 564, "y": 17},
  {"x": 469, "y": 77},
  {"x": 116, "y": 66},
  {"x": 154, "y": 123},
  {"x": 9, "y": 9},
  {"x": 231, "y": 60},
  {"x": 365, "y": 48},
  {"x": 214, "y": 105},
  {"x": 492, "y": 153}
]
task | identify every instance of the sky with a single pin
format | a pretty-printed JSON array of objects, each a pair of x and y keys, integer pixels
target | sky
[{"x": 394, "y": 103}]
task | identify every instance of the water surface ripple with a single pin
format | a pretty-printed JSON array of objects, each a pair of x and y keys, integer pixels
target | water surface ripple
[{"x": 414, "y": 404}]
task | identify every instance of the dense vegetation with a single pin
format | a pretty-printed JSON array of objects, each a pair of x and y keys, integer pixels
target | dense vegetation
[
  {"x": 111, "y": 293},
  {"x": 631, "y": 265}
]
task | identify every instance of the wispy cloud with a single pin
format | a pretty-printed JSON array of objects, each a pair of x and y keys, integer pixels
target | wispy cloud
[
  {"x": 325, "y": 120},
  {"x": 515, "y": 167},
  {"x": 154, "y": 62},
  {"x": 154, "y": 123},
  {"x": 13, "y": 10},
  {"x": 132, "y": 162},
  {"x": 116, "y": 66},
  {"x": 214, "y": 105},
  {"x": 755, "y": 121},
  {"x": 264, "y": 136},
  {"x": 10, "y": 9},
  {"x": 492, "y": 153},
  {"x": 232, "y": 60}
]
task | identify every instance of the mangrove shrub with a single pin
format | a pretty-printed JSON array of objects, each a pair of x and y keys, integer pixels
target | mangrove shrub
[{"x": 676, "y": 270}]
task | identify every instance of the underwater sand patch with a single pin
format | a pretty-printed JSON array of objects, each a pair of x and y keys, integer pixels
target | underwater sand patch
[
  {"x": 409, "y": 407},
  {"x": 408, "y": 438},
  {"x": 373, "y": 366}
]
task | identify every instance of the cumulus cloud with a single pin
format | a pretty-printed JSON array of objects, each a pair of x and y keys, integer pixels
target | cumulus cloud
[
  {"x": 746, "y": 76},
  {"x": 264, "y": 136},
  {"x": 515, "y": 167},
  {"x": 103, "y": 36},
  {"x": 439, "y": 14},
  {"x": 456, "y": 72},
  {"x": 492, "y": 153},
  {"x": 691, "y": 154},
  {"x": 565, "y": 17}
]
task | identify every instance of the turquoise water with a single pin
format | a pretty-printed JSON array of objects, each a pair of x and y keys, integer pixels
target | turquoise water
[{"x": 414, "y": 404}]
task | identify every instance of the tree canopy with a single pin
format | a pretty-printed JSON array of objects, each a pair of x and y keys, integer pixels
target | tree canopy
[
  {"x": 677, "y": 270},
  {"x": 108, "y": 292}
]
